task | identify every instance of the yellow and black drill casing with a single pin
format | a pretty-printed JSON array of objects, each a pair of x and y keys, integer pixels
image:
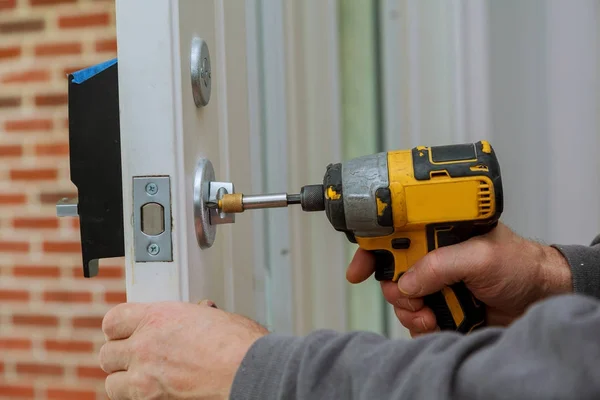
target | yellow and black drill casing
[{"x": 403, "y": 204}]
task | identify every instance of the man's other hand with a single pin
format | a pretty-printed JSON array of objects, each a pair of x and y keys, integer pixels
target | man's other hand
[
  {"x": 505, "y": 271},
  {"x": 173, "y": 350}
]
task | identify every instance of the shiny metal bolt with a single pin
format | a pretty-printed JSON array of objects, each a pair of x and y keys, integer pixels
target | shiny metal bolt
[
  {"x": 152, "y": 188},
  {"x": 153, "y": 249}
]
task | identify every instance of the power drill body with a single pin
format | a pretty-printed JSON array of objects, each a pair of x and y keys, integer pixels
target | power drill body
[{"x": 403, "y": 204}]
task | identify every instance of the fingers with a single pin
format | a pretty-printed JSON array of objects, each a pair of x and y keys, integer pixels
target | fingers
[
  {"x": 121, "y": 321},
  {"x": 393, "y": 296},
  {"x": 445, "y": 266},
  {"x": 361, "y": 267},
  {"x": 116, "y": 386},
  {"x": 419, "y": 322},
  {"x": 115, "y": 356}
]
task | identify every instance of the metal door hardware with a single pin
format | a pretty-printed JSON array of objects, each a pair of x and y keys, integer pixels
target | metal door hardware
[
  {"x": 207, "y": 194},
  {"x": 152, "y": 219},
  {"x": 201, "y": 72}
]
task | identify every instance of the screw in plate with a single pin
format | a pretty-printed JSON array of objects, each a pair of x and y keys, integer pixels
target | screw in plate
[
  {"x": 152, "y": 188},
  {"x": 153, "y": 249},
  {"x": 205, "y": 72},
  {"x": 200, "y": 72}
]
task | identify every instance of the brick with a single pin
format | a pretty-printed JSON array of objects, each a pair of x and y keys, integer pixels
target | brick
[
  {"x": 39, "y": 369},
  {"x": 68, "y": 297},
  {"x": 70, "y": 70},
  {"x": 16, "y": 391},
  {"x": 70, "y": 394},
  {"x": 106, "y": 46},
  {"x": 83, "y": 20},
  {"x": 22, "y": 26},
  {"x": 75, "y": 224},
  {"x": 12, "y": 199},
  {"x": 33, "y": 271},
  {"x": 13, "y": 295},
  {"x": 104, "y": 272},
  {"x": 33, "y": 174},
  {"x": 58, "y": 49},
  {"x": 53, "y": 149},
  {"x": 62, "y": 247},
  {"x": 1, "y": 367},
  {"x": 51, "y": 100},
  {"x": 14, "y": 247},
  {"x": 10, "y": 102},
  {"x": 35, "y": 320},
  {"x": 115, "y": 297},
  {"x": 24, "y": 125},
  {"x": 69, "y": 346},
  {"x": 28, "y": 76},
  {"x": 9, "y": 52},
  {"x": 6, "y": 4},
  {"x": 87, "y": 322},
  {"x": 36, "y": 223},
  {"x": 91, "y": 372},
  {"x": 15, "y": 344},
  {"x": 36, "y": 3},
  {"x": 11, "y": 151},
  {"x": 53, "y": 198}
]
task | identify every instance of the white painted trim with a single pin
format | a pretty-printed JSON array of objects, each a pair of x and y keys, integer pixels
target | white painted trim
[
  {"x": 257, "y": 165},
  {"x": 476, "y": 48},
  {"x": 573, "y": 125},
  {"x": 305, "y": 257},
  {"x": 163, "y": 133},
  {"x": 138, "y": 37},
  {"x": 275, "y": 147},
  {"x": 394, "y": 71},
  {"x": 414, "y": 105}
]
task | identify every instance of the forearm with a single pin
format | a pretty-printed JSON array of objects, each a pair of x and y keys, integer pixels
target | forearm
[{"x": 549, "y": 353}]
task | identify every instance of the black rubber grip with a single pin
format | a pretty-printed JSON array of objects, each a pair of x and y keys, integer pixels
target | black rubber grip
[
  {"x": 469, "y": 313},
  {"x": 457, "y": 299}
]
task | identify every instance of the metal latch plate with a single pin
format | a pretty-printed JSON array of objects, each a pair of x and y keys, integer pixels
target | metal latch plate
[{"x": 152, "y": 219}]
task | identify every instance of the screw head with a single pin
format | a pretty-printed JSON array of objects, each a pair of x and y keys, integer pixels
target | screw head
[
  {"x": 205, "y": 72},
  {"x": 200, "y": 72},
  {"x": 153, "y": 249},
  {"x": 152, "y": 188}
]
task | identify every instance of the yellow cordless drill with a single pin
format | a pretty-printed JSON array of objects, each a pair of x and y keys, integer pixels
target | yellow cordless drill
[{"x": 403, "y": 204}]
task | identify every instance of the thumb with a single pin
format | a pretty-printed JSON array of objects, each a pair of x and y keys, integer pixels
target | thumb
[
  {"x": 207, "y": 303},
  {"x": 442, "y": 267}
]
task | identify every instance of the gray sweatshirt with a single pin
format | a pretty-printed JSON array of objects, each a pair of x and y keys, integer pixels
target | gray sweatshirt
[{"x": 552, "y": 352}]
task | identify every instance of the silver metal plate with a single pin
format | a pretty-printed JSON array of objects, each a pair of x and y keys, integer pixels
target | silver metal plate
[
  {"x": 205, "y": 232},
  {"x": 67, "y": 208},
  {"x": 147, "y": 190},
  {"x": 217, "y": 190}
]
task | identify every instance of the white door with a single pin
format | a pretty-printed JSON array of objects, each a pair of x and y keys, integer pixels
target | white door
[{"x": 164, "y": 135}]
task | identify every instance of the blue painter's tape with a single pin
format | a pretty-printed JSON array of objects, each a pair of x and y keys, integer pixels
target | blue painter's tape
[{"x": 81, "y": 76}]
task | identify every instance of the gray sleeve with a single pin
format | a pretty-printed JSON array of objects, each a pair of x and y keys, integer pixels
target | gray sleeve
[
  {"x": 552, "y": 352},
  {"x": 585, "y": 266}
]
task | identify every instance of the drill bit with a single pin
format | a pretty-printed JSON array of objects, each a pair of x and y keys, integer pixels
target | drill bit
[{"x": 311, "y": 198}]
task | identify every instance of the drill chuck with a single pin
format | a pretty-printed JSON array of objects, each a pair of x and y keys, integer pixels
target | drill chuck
[{"x": 312, "y": 198}]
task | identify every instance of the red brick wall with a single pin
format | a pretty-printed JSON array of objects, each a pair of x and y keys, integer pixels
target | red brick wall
[{"x": 50, "y": 316}]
